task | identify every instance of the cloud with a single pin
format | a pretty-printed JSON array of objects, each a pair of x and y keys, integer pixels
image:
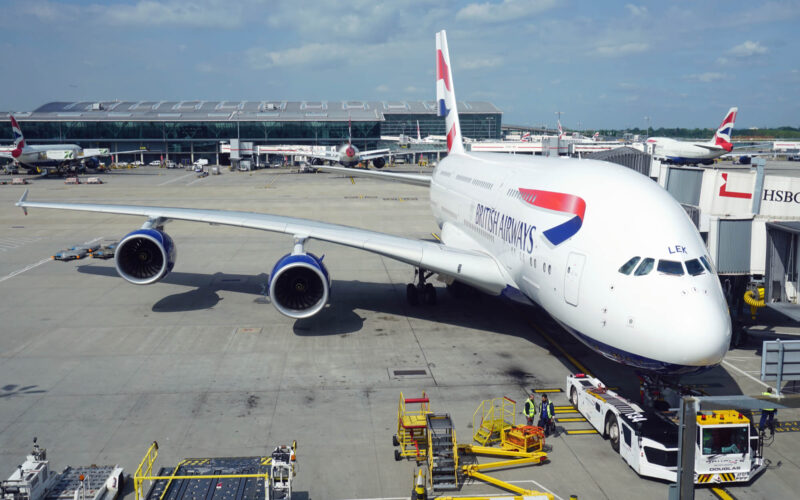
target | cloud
[
  {"x": 382, "y": 88},
  {"x": 507, "y": 10},
  {"x": 622, "y": 49},
  {"x": 298, "y": 56},
  {"x": 636, "y": 10},
  {"x": 748, "y": 49},
  {"x": 194, "y": 13},
  {"x": 707, "y": 77},
  {"x": 480, "y": 63}
]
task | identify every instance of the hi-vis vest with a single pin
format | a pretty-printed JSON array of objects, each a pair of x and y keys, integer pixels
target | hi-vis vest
[
  {"x": 530, "y": 408},
  {"x": 769, "y": 395}
]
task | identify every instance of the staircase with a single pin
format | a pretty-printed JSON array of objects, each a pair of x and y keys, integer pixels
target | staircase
[{"x": 442, "y": 452}]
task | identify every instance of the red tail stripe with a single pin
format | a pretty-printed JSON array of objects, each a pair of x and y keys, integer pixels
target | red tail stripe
[
  {"x": 561, "y": 202},
  {"x": 442, "y": 70}
]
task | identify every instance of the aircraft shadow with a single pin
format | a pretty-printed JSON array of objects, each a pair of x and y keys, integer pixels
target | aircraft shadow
[{"x": 477, "y": 311}]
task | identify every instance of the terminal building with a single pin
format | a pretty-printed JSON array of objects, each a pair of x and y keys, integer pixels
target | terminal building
[{"x": 184, "y": 131}]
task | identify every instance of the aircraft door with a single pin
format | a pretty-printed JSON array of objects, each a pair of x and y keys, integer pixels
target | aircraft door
[{"x": 572, "y": 277}]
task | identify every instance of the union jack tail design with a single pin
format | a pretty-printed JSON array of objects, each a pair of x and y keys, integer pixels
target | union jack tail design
[
  {"x": 526, "y": 137},
  {"x": 560, "y": 130},
  {"x": 446, "y": 95},
  {"x": 723, "y": 136},
  {"x": 19, "y": 139}
]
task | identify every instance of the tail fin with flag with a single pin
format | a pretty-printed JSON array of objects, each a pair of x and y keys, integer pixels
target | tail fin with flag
[
  {"x": 446, "y": 96},
  {"x": 722, "y": 138},
  {"x": 19, "y": 139}
]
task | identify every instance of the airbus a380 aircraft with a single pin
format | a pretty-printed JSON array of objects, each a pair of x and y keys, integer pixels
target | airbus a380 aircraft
[
  {"x": 58, "y": 158},
  {"x": 692, "y": 153},
  {"x": 607, "y": 252}
]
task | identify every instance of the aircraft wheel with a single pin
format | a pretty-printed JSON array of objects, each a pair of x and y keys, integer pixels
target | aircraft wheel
[
  {"x": 612, "y": 432},
  {"x": 412, "y": 294},
  {"x": 429, "y": 294}
]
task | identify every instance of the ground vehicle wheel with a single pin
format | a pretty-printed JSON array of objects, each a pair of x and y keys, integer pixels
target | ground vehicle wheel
[
  {"x": 612, "y": 432},
  {"x": 412, "y": 294},
  {"x": 395, "y": 441},
  {"x": 397, "y": 456},
  {"x": 429, "y": 294},
  {"x": 573, "y": 397}
]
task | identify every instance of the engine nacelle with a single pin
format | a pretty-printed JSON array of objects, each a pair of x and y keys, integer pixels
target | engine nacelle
[
  {"x": 145, "y": 256},
  {"x": 379, "y": 162},
  {"x": 299, "y": 285},
  {"x": 316, "y": 161}
]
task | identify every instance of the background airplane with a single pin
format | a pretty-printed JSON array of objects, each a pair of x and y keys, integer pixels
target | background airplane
[
  {"x": 605, "y": 251},
  {"x": 52, "y": 158},
  {"x": 349, "y": 156},
  {"x": 693, "y": 153}
]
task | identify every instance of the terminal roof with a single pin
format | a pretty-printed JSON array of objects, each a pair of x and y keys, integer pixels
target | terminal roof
[{"x": 240, "y": 110}]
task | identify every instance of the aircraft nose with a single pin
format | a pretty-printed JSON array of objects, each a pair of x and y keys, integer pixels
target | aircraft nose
[{"x": 705, "y": 332}]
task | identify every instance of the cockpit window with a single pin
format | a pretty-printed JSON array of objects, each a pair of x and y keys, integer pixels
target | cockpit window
[
  {"x": 694, "y": 267},
  {"x": 628, "y": 266},
  {"x": 706, "y": 264},
  {"x": 671, "y": 267},
  {"x": 645, "y": 267}
]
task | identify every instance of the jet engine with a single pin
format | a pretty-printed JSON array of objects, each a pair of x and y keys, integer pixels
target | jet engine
[
  {"x": 145, "y": 256},
  {"x": 299, "y": 285},
  {"x": 379, "y": 162}
]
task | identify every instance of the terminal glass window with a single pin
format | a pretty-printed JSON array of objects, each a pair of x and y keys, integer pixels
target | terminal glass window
[
  {"x": 725, "y": 440},
  {"x": 671, "y": 267},
  {"x": 645, "y": 267},
  {"x": 694, "y": 267},
  {"x": 628, "y": 266}
]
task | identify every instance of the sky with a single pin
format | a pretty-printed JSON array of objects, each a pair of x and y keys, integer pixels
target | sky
[{"x": 602, "y": 64}]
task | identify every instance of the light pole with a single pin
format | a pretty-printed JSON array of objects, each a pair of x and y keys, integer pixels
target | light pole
[{"x": 647, "y": 119}]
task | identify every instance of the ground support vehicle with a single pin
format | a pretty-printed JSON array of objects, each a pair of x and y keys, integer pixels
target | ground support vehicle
[
  {"x": 412, "y": 428},
  {"x": 219, "y": 478},
  {"x": 727, "y": 447},
  {"x": 33, "y": 480},
  {"x": 70, "y": 254},
  {"x": 105, "y": 252}
]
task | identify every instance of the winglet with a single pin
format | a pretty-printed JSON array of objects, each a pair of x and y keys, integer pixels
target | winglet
[{"x": 21, "y": 202}]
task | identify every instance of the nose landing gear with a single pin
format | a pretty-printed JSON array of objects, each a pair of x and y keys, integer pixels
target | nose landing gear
[{"x": 421, "y": 291}]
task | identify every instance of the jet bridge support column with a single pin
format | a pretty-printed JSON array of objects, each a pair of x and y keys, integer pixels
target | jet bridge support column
[{"x": 683, "y": 489}]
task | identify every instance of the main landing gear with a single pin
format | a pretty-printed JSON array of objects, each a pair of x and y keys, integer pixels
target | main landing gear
[{"x": 421, "y": 291}]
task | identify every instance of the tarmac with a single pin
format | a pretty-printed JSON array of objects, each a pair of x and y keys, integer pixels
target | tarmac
[{"x": 201, "y": 362}]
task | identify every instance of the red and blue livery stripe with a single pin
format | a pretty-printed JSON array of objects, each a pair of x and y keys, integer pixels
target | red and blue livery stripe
[{"x": 559, "y": 202}]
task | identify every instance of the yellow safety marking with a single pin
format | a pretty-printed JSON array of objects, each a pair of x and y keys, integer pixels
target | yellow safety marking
[
  {"x": 571, "y": 419},
  {"x": 266, "y": 460},
  {"x": 721, "y": 493},
  {"x": 567, "y": 355},
  {"x": 566, "y": 411},
  {"x": 352, "y": 180},
  {"x": 583, "y": 431},
  {"x": 436, "y": 236},
  {"x": 546, "y": 390},
  {"x": 564, "y": 407}
]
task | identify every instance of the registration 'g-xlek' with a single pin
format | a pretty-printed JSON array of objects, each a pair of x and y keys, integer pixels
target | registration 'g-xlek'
[{"x": 604, "y": 250}]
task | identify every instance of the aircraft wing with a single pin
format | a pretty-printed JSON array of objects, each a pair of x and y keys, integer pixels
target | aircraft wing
[
  {"x": 327, "y": 155},
  {"x": 469, "y": 266},
  {"x": 373, "y": 153},
  {"x": 106, "y": 152},
  {"x": 417, "y": 179},
  {"x": 4, "y": 154},
  {"x": 710, "y": 147}
]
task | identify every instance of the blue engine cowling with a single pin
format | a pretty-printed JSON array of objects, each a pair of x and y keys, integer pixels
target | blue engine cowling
[
  {"x": 145, "y": 256},
  {"x": 299, "y": 285}
]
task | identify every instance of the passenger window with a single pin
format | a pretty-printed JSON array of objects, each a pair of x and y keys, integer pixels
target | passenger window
[
  {"x": 628, "y": 266},
  {"x": 645, "y": 267},
  {"x": 671, "y": 267},
  {"x": 694, "y": 267}
]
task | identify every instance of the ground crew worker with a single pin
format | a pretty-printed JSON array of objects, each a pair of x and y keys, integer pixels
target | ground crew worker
[
  {"x": 530, "y": 409},
  {"x": 767, "y": 414},
  {"x": 547, "y": 412}
]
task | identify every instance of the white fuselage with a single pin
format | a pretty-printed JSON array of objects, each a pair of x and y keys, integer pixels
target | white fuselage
[
  {"x": 683, "y": 152},
  {"x": 49, "y": 155},
  {"x": 661, "y": 322},
  {"x": 348, "y": 155}
]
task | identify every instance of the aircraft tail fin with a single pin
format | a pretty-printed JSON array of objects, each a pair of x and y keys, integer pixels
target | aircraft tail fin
[
  {"x": 723, "y": 136},
  {"x": 19, "y": 139},
  {"x": 446, "y": 96},
  {"x": 419, "y": 136},
  {"x": 560, "y": 130}
]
